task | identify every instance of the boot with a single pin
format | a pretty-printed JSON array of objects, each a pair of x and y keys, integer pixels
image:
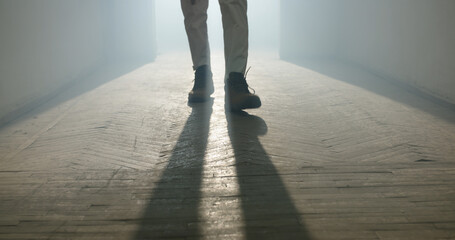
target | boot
[{"x": 238, "y": 96}]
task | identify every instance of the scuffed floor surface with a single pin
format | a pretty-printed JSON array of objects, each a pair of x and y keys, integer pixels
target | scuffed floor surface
[{"x": 334, "y": 153}]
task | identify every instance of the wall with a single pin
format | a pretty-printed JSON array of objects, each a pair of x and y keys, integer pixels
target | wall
[
  {"x": 133, "y": 26},
  {"x": 309, "y": 28},
  {"x": 410, "y": 41},
  {"x": 47, "y": 44}
]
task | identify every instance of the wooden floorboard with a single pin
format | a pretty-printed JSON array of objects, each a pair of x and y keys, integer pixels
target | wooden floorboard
[{"x": 334, "y": 153}]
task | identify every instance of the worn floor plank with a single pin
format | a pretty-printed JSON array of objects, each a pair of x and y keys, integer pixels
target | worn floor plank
[{"x": 334, "y": 153}]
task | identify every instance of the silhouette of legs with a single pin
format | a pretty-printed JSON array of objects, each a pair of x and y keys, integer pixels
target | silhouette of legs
[
  {"x": 173, "y": 207},
  {"x": 268, "y": 210}
]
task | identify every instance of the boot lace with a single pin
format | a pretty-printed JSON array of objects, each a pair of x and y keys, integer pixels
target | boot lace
[{"x": 246, "y": 73}]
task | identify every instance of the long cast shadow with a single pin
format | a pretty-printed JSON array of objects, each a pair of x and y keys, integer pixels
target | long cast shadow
[
  {"x": 373, "y": 82},
  {"x": 172, "y": 211},
  {"x": 73, "y": 89},
  {"x": 268, "y": 210}
]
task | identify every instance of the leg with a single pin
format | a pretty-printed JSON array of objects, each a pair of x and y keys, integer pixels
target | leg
[
  {"x": 195, "y": 13},
  {"x": 235, "y": 26},
  {"x": 196, "y": 30}
]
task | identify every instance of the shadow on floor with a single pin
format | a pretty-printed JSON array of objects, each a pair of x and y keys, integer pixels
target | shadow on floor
[
  {"x": 173, "y": 210},
  {"x": 71, "y": 90},
  {"x": 268, "y": 210},
  {"x": 394, "y": 90}
]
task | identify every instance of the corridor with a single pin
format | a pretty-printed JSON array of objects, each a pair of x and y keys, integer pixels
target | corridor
[{"x": 334, "y": 153}]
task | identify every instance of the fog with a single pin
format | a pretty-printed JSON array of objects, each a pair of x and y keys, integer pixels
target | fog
[
  {"x": 410, "y": 42},
  {"x": 49, "y": 45},
  {"x": 263, "y": 17}
]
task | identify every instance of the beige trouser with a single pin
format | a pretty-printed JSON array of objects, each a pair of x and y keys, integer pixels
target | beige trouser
[{"x": 235, "y": 26}]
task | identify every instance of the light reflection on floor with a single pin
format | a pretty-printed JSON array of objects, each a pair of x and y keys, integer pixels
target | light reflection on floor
[{"x": 220, "y": 207}]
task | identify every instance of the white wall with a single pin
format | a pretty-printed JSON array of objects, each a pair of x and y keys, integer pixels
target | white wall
[
  {"x": 46, "y": 44},
  {"x": 309, "y": 28},
  {"x": 411, "y": 41},
  {"x": 134, "y": 30}
]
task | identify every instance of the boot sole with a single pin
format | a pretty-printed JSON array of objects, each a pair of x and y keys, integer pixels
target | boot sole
[{"x": 251, "y": 104}]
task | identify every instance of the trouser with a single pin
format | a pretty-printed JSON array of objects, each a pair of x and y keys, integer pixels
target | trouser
[{"x": 235, "y": 27}]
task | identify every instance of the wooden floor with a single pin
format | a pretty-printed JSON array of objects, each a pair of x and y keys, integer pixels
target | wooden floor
[{"x": 334, "y": 153}]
